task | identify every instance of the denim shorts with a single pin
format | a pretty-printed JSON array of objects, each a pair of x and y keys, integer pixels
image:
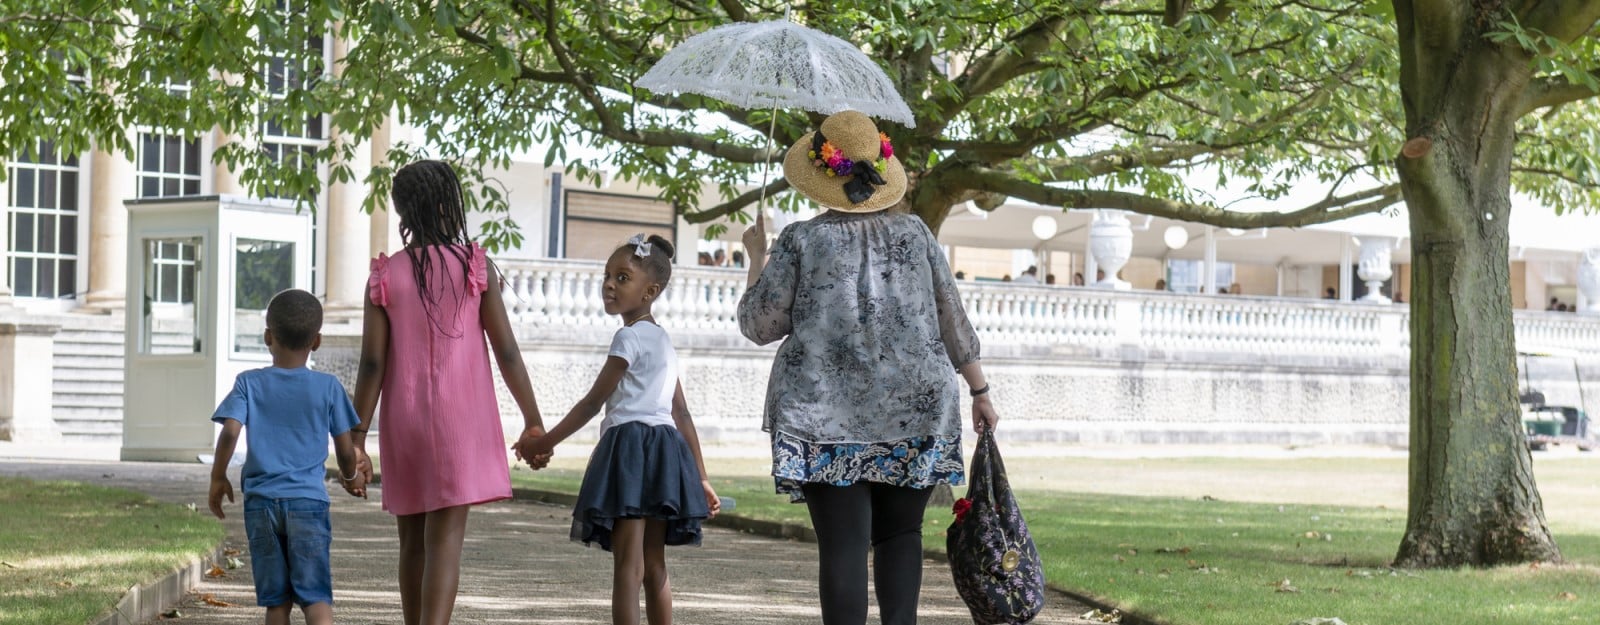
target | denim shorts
[{"x": 289, "y": 542}]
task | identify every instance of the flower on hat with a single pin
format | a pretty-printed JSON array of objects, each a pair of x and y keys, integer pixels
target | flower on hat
[{"x": 886, "y": 150}]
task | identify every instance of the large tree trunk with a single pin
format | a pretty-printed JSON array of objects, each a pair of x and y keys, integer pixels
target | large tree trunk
[{"x": 1472, "y": 495}]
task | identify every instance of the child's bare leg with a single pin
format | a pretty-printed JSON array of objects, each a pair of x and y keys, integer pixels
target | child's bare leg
[
  {"x": 317, "y": 614},
  {"x": 445, "y": 531},
  {"x": 627, "y": 561},
  {"x": 657, "y": 588},
  {"x": 279, "y": 614},
  {"x": 413, "y": 559}
]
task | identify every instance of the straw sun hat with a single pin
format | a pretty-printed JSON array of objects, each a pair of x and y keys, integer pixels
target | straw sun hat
[{"x": 846, "y": 165}]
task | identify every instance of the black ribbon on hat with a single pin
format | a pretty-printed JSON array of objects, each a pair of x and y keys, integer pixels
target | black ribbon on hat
[{"x": 863, "y": 182}]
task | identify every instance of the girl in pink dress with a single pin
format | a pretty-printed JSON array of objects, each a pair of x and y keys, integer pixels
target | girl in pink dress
[{"x": 428, "y": 310}]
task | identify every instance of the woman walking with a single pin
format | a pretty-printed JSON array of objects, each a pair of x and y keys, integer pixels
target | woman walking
[{"x": 863, "y": 405}]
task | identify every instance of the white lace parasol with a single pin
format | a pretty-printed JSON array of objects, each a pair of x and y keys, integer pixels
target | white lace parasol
[{"x": 778, "y": 64}]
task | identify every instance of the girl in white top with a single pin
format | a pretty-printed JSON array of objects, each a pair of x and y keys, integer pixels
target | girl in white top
[{"x": 645, "y": 486}]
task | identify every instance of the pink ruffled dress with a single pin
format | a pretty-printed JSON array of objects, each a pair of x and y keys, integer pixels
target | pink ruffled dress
[{"x": 439, "y": 435}]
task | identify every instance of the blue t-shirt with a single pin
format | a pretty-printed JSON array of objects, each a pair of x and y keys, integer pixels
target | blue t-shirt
[{"x": 288, "y": 415}]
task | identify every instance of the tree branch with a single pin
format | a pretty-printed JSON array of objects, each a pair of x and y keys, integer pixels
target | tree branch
[
  {"x": 1553, "y": 91},
  {"x": 1111, "y": 161},
  {"x": 735, "y": 11},
  {"x": 1329, "y": 209},
  {"x": 736, "y": 204},
  {"x": 996, "y": 68},
  {"x": 611, "y": 128}
]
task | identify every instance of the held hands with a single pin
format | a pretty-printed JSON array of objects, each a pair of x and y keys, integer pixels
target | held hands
[
  {"x": 220, "y": 487},
  {"x": 363, "y": 464},
  {"x": 534, "y": 448},
  {"x": 356, "y": 487},
  {"x": 713, "y": 502},
  {"x": 984, "y": 416}
]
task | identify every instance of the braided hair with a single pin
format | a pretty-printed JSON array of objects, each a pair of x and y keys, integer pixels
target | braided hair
[
  {"x": 427, "y": 196},
  {"x": 658, "y": 263}
]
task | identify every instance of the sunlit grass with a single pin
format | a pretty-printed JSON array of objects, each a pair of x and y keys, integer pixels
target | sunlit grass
[
  {"x": 68, "y": 551},
  {"x": 1194, "y": 544}
]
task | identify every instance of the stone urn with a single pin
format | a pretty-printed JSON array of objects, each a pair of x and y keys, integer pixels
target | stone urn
[
  {"x": 1111, "y": 242},
  {"x": 1374, "y": 268},
  {"x": 1589, "y": 281}
]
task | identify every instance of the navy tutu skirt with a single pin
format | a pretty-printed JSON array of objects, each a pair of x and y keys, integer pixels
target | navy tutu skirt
[{"x": 640, "y": 471}]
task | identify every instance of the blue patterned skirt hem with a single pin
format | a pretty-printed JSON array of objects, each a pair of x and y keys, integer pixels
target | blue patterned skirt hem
[
  {"x": 640, "y": 471},
  {"x": 916, "y": 462}
]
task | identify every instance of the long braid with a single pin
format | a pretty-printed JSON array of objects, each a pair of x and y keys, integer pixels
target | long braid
[{"x": 428, "y": 197}]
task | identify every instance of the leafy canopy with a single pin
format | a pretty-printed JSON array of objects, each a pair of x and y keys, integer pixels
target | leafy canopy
[{"x": 1075, "y": 103}]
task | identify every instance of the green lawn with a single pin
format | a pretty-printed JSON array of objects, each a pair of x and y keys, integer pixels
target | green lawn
[
  {"x": 1198, "y": 560},
  {"x": 68, "y": 551}
]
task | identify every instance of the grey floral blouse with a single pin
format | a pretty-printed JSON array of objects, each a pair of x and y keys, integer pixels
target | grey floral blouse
[{"x": 864, "y": 386}]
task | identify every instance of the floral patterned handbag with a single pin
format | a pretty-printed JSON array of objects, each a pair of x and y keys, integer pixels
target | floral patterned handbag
[{"x": 992, "y": 558}]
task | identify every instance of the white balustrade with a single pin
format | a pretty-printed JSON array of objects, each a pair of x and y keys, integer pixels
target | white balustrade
[{"x": 566, "y": 293}]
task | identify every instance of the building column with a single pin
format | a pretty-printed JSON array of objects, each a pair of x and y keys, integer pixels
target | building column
[
  {"x": 110, "y": 185},
  {"x": 224, "y": 180},
  {"x": 1346, "y": 283},
  {"x": 384, "y": 230},
  {"x": 348, "y": 233},
  {"x": 1589, "y": 281},
  {"x": 1208, "y": 282}
]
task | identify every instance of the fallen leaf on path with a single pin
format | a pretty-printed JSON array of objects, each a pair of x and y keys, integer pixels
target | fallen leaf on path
[
  {"x": 1283, "y": 585},
  {"x": 1114, "y": 616},
  {"x": 1567, "y": 596},
  {"x": 216, "y": 571},
  {"x": 212, "y": 600},
  {"x": 9, "y": 565},
  {"x": 1177, "y": 550},
  {"x": 230, "y": 552},
  {"x": 65, "y": 583},
  {"x": 173, "y": 613},
  {"x": 234, "y": 563}
]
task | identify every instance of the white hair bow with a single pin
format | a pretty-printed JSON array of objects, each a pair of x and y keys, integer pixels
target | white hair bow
[{"x": 641, "y": 247}]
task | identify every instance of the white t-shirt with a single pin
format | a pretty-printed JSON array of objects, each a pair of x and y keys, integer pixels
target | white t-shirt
[{"x": 646, "y": 390}]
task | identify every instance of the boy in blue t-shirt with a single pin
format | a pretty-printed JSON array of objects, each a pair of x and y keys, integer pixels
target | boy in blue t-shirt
[{"x": 290, "y": 412}]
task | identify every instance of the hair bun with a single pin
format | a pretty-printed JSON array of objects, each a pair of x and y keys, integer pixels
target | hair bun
[{"x": 661, "y": 244}]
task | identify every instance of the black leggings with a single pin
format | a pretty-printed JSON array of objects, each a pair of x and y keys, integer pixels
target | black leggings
[{"x": 847, "y": 520}]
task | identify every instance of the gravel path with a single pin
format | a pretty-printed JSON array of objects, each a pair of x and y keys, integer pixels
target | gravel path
[{"x": 520, "y": 567}]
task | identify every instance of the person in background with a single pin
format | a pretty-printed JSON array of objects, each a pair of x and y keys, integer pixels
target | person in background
[
  {"x": 961, "y": 275},
  {"x": 719, "y": 258},
  {"x": 864, "y": 401},
  {"x": 1077, "y": 279},
  {"x": 1005, "y": 278},
  {"x": 1236, "y": 289},
  {"x": 1553, "y": 302},
  {"x": 738, "y": 259},
  {"x": 1029, "y": 276},
  {"x": 1330, "y": 294},
  {"x": 1099, "y": 275},
  {"x": 1050, "y": 279},
  {"x": 705, "y": 259},
  {"x": 1161, "y": 284}
]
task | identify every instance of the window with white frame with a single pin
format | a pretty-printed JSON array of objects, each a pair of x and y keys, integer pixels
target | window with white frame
[
  {"x": 42, "y": 222},
  {"x": 168, "y": 164},
  {"x": 293, "y": 143},
  {"x": 1188, "y": 276}
]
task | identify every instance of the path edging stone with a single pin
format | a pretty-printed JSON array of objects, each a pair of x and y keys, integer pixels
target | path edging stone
[{"x": 147, "y": 601}]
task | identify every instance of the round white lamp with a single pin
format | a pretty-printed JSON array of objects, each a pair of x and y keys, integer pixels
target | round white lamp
[
  {"x": 1175, "y": 237},
  {"x": 1044, "y": 227}
]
